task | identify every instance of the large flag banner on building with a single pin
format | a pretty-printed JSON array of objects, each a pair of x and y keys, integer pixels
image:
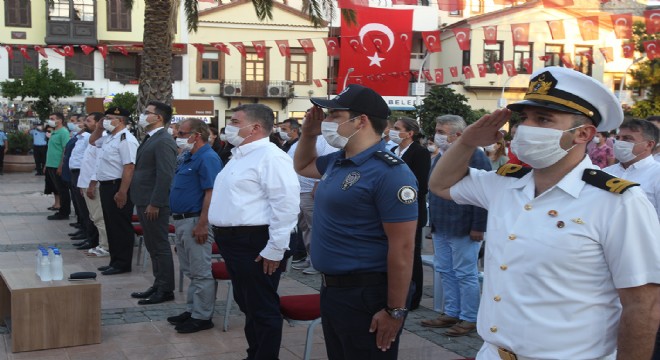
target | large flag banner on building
[{"x": 393, "y": 56}]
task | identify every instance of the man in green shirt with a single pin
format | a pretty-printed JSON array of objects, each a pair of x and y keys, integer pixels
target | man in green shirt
[{"x": 58, "y": 139}]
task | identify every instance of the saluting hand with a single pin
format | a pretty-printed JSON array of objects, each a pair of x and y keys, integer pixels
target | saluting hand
[
  {"x": 312, "y": 124},
  {"x": 485, "y": 131},
  {"x": 270, "y": 266},
  {"x": 386, "y": 329}
]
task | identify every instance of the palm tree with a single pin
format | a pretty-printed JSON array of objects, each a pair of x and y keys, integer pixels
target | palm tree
[{"x": 160, "y": 18}]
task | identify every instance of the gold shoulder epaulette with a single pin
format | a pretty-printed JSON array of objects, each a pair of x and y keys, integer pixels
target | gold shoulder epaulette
[
  {"x": 388, "y": 157},
  {"x": 513, "y": 170},
  {"x": 605, "y": 181}
]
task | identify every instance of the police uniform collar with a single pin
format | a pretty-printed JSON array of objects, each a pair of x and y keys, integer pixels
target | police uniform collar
[
  {"x": 365, "y": 155},
  {"x": 243, "y": 150}
]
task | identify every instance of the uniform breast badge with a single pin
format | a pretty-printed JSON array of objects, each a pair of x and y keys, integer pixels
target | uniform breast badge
[
  {"x": 350, "y": 180},
  {"x": 407, "y": 195},
  {"x": 578, "y": 221}
]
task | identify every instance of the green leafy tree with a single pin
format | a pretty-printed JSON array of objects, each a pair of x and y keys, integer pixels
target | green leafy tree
[
  {"x": 126, "y": 100},
  {"x": 442, "y": 100},
  {"x": 646, "y": 76},
  {"x": 44, "y": 84}
]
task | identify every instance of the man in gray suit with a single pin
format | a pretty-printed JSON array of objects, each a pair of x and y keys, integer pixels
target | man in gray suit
[{"x": 150, "y": 191}]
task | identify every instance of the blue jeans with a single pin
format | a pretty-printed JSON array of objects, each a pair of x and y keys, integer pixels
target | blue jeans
[{"x": 456, "y": 259}]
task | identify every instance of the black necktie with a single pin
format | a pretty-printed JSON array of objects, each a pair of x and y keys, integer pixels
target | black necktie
[{"x": 144, "y": 140}]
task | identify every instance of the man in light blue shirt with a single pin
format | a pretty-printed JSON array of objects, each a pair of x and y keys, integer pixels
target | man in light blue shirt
[
  {"x": 39, "y": 147},
  {"x": 4, "y": 147}
]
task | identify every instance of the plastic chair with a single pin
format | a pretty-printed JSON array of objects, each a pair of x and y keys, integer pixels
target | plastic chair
[
  {"x": 219, "y": 271},
  {"x": 303, "y": 309},
  {"x": 215, "y": 254},
  {"x": 438, "y": 295}
]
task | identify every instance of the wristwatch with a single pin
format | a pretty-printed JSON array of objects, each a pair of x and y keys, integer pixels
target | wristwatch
[{"x": 397, "y": 313}]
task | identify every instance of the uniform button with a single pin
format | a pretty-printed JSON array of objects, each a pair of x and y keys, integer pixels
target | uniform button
[
  {"x": 528, "y": 207},
  {"x": 512, "y": 237},
  {"x": 503, "y": 267},
  {"x": 497, "y": 298},
  {"x": 493, "y": 329}
]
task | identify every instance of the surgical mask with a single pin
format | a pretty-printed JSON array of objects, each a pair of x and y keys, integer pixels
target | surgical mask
[
  {"x": 223, "y": 137},
  {"x": 441, "y": 141},
  {"x": 394, "y": 136},
  {"x": 107, "y": 124},
  {"x": 623, "y": 151},
  {"x": 596, "y": 140},
  {"x": 51, "y": 123},
  {"x": 432, "y": 148},
  {"x": 183, "y": 144},
  {"x": 491, "y": 148},
  {"x": 284, "y": 135},
  {"x": 539, "y": 147},
  {"x": 170, "y": 131},
  {"x": 72, "y": 127},
  {"x": 142, "y": 121},
  {"x": 231, "y": 132},
  {"x": 332, "y": 137}
]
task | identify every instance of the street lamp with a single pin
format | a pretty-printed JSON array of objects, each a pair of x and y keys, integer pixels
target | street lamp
[
  {"x": 501, "y": 102},
  {"x": 350, "y": 70},
  {"x": 625, "y": 74},
  {"x": 420, "y": 88}
]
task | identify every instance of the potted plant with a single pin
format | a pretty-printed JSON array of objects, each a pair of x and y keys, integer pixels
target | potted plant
[{"x": 17, "y": 158}]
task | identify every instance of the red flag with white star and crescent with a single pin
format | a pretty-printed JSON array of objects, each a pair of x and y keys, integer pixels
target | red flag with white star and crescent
[
  {"x": 366, "y": 59},
  {"x": 622, "y": 25},
  {"x": 332, "y": 46}
]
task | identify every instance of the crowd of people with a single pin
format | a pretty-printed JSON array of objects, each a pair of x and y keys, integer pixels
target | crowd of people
[{"x": 571, "y": 253}]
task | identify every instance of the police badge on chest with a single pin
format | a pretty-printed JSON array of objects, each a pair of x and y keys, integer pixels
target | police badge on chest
[{"x": 350, "y": 180}]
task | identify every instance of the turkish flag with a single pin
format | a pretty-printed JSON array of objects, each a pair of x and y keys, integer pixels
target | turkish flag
[
  {"x": 415, "y": 74},
  {"x": 378, "y": 39},
  {"x": 490, "y": 34},
  {"x": 307, "y": 45},
  {"x": 260, "y": 48},
  {"x": 588, "y": 27},
  {"x": 394, "y": 74},
  {"x": 10, "y": 51},
  {"x": 283, "y": 47},
  {"x": 520, "y": 34},
  {"x": 68, "y": 50},
  {"x": 221, "y": 47},
  {"x": 103, "y": 49},
  {"x": 427, "y": 75},
  {"x": 463, "y": 38},
  {"x": 499, "y": 68},
  {"x": 467, "y": 72},
  {"x": 453, "y": 71},
  {"x": 240, "y": 47},
  {"x": 86, "y": 49},
  {"x": 122, "y": 49},
  {"x": 199, "y": 47},
  {"x": 57, "y": 50},
  {"x": 23, "y": 50},
  {"x": 652, "y": 18},
  {"x": 510, "y": 68},
  {"x": 41, "y": 51},
  {"x": 622, "y": 25},
  {"x": 439, "y": 76},
  {"x": 317, "y": 82},
  {"x": 332, "y": 46},
  {"x": 451, "y": 5},
  {"x": 406, "y": 41},
  {"x": 174, "y": 45},
  {"x": 628, "y": 50},
  {"x": 652, "y": 48},
  {"x": 432, "y": 41},
  {"x": 589, "y": 55},
  {"x": 544, "y": 57},
  {"x": 352, "y": 4},
  {"x": 608, "y": 53},
  {"x": 527, "y": 64},
  {"x": 482, "y": 70},
  {"x": 557, "y": 29},
  {"x": 566, "y": 60},
  {"x": 557, "y": 3},
  {"x": 364, "y": 56}
]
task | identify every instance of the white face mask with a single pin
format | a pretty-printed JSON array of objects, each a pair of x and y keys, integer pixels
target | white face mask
[
  {"x": 51, "y": 123},
  {"x": 72, "y": 127},
  {"x": 223, "y": 137},
  {"x": 596, "y": 140},
  {"x": 332, "y": 137},
  {"x": 441, "y": 141},
  {"x": 142, "y": 121},
  {"x": 170, "y": 131},
  {"x": 432, "y": 148},
  {"x": 623, "y": 151},
  {"x": 539, "y": 147},
  {"x": 394, "y": 136},
  {"x": 233, "y": 138},
  {"x": 491, "y": 148},
  {"x": 107, "y": 124},
  {"x": 183, "y": 144},
  {"x": 284, "y": 135}
]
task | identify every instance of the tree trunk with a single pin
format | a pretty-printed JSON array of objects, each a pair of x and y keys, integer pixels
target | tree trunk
[{"x": 155, "y": 76}]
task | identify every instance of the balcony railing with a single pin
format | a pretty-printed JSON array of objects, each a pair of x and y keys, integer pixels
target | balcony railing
[{"x": 256, "y": 89}]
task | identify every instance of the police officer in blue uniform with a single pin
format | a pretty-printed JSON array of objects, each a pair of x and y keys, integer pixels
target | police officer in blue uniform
[{"x": 365, "y": 217}]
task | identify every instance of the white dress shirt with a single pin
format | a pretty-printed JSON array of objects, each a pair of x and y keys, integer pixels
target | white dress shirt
[
  {"x": 645, "y": 172},
  {"x": 322, "y": 148},
  {"x": 115, "y": 153},
  {"x": 554, "y": 262},
  {"x": 89, "y": 166},
  {"x": 76, "y": 158},
  {"x": 258, "y": 186}
]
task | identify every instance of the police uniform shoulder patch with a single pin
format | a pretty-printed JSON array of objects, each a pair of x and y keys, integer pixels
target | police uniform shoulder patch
[
  {"x": 605, "y": 181},
  {"x": 513, "y": 170},
  {"x": 389, "y": 158},
  {"x": 407, "y": 195},
  {"x": 122, "y": 137}
]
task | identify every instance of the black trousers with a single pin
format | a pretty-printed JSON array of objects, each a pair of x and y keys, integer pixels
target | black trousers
[
  {"x": 417, "y": 270},
  {"x": 62, "y": 189},
  {"x": 82, "y": 211},
  {"x": 254, "y": 292},
  {"x": 2, "y": 157},
  {"x": 157, "y": 242},
  {"x": 121, "y": 237},
  {"x": 39, "y": 153}
]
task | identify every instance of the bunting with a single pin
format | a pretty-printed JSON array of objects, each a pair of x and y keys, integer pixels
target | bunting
[
  {"x": 439, "y": 76},
  {"x": 608, "y": 53},
  {"x": 307, "y": 45},
  {"x": 652, "y": 18},
  {"x": 86, "y": 49},
  {"x": 24, "y": 52},
  {"x": 628, "y": 50},
  {"x": 622, "y": 25},
  {"x": 199, "y": 47},
  {"x": 432, "y": 41},
  {"x": 41, "y": 51},
  {"x": 520, "y": 34},
  {"x": 463, "y": 38},
  {"x": 332, "y": 46},
  {"x": 453, "y": 70},
  {"x": 103, "y": 49},
  {"x": 652, "y": 48},
  {"x": 221, "y": 47},
  {"x": 490, "y": 34},
  {"x": 588, "y": 27},
  {"x": 283, "y": 47},
  {"x": 467, "y": 72},
  {"x": 557, "y": 29},
  {"x": 527, "y": 65},
  {"x": 10, "y": 51},
  {"x": 482, "y": 70},
  {"x": 240, "y": 47},
  {"x": 510, "y": 68},
  {"x": 260, "y": 48}
]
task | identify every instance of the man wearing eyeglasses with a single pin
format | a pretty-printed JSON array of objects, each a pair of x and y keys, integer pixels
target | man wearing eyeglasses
[{"x": 150, "y": 190}]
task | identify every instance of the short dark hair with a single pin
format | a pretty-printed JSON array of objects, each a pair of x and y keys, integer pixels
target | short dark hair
[
  {"x": 97, "y": 116},
  {"x": 58, "y": 115},
  {"x": 378, "y": 124},
  {"x": 197, "y": 126},
  {"x": 653, "y": 118},
  {"x": 259, "y": 113},
  {"x": 649, "y": 131},
  {"x": 162, "y": 109},
  {"x": 295, "y": 125},
  {"x": 213, "y": 130}
]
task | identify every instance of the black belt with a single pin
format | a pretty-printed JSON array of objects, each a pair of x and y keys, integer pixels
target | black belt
[
  {"x": 354, "y": 280},
  {"x": 238, "y": 230},
  {"x": 185, "y": 215},
  {"x": 75, "y": 170},
  {"x": 115, "y": 181}
]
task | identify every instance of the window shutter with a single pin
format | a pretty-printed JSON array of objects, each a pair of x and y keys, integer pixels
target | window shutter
[{"x": 177, "y": 68}]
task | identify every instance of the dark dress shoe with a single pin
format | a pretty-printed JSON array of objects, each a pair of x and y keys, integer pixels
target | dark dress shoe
[
  {"x": 86, "y": 246},
  {"x": 104, "y": 268},
  {"x": 80, "y": 243},
  {"x": 58, "y": 217},
  {"x": 76, "y": 233},
  {"x": 115, "y": 271},
  {"x": 157, "y": 298},
  {"x": 179, "y": 319},
  {"x": 75, "y": 225},
  {"x": 193, "y": 326},
  {"x": 144, "y": 294},
  {"x": 79, "y": 237}
]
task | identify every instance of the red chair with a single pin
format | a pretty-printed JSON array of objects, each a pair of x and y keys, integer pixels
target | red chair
[
  {"x": 139, "y": 233},
  {"x": 215, "y": 254},
  {"x": 219, "y": 271},
  {"x": 302, "y": 309}
]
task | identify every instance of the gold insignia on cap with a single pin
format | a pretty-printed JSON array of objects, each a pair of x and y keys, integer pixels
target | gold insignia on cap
[
  {"x": 540, "y": 86},
  {"x": 117, "y": 112}
]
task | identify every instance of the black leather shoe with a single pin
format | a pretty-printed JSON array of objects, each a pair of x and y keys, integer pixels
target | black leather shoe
[
  {"x": 58, "y": 217},
  {"x": 144, "y": 294},
  {"x": 80, "y": 243},
  {"x": 79, "y": 237},
  {"x": 114, "y": 271},
  {"x": 193, "y": 326},
  {"x": 86, "y": 246},
  {"x": 157, "y": 298},
  {"x": 75, "y": 225},
  {"x": 179, "y": 319},
  {"x": 76, "y": 233},
  {"x": 104, "y": 268}
]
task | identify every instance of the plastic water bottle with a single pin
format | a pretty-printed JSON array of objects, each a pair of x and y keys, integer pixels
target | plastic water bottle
[
  {"x": 45, "y": 267},
  {"x": 38, "y": 256},
  {"x": 56, "y": 265}
]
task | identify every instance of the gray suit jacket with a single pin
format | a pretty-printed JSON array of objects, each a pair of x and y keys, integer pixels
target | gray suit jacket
[{"x": 154, "y": 169}]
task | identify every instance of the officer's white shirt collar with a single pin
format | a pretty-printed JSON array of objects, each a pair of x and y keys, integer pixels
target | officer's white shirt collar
[
  {"x": 242, "y": 150},
  {"x": 571, "y": 183},
  {"x": 641, "y": 164},
  {"x": 152, "y": 132}
]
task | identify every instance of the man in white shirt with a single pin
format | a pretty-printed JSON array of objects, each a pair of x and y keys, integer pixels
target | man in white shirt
[
  {"x": 254, "y": 207},
  {"x": 571, "y": 265},
  {"x": 633, "y": 148},
  {"x": 656, "y": 121}
]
